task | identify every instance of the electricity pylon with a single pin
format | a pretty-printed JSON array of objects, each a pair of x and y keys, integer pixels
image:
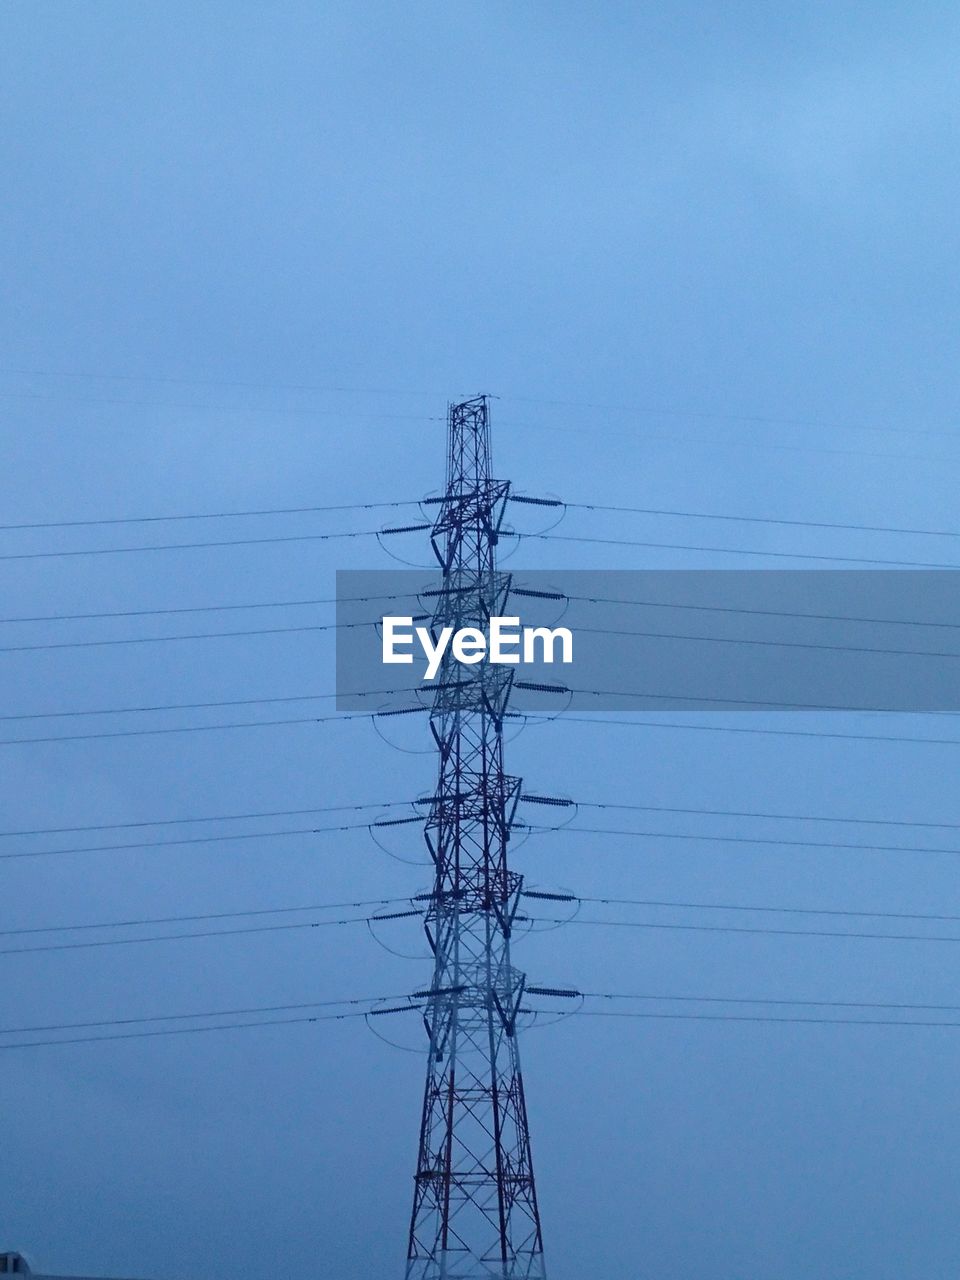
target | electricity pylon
[{"x": 475, "y": 1213}]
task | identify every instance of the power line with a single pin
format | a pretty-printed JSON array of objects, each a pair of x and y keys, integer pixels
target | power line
[
  {"x": 552, "y": 427},
  {"x": 212, "y": 382},
  {"x": 186, "y": 840},
  {"x": 656, "y": 604},
  {"x": 204, "y": 728},
  {"x": 766, "y": 613},
  {"x": 371, "y": 533},
  {"x": 255, "y": 912},
  {"x": 196, "y": 706},
  {"x": 599, "y": 1013},
  {"x": 222, "y": 409},
  {"x": 589, "y": 630},
  {"x": 373, "y": 622},
  {"x": 644, "y": 410},
  {"x": 775, "y": 520},
  {"x": 209, "y": 515},
  {"x": 768, "y": 644},
  {"x": 190, "y": 546},
  {"x": 196, "y": 635},
  {"x": 714, "y": 442},
  {"x": 350, "y": 1005},
  {"x": 745, "y": 929},
  {"x": 761, "y": 419},
  {"x": 203, "y": 608},
  {"x": 362, "y": 715},
  {"x": 750, "y": 703},
  {"x": 194, "y": 728},
  {"x": 207, "y": 1013},
  {"x": 384, "y": 902},
  {"x": 736, "y": 551},
  {"x": 755, "y": 840},
  {"x": 810, "y": 1004},
  {"x": 751, "y": 1017},
  {"x": 768, "y": 910},
  {"x": 667, "y": 512},
  {"x": 761, "y": 813},
  {"x": 207, "y": 915},
  {"x": 182, "y": 1031},
  {"x": 221, "y": 817},
  {"x": 194, "y": 934},
  {"x": 722, "y": 728}
]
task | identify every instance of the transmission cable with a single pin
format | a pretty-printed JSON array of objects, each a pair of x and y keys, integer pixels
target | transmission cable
[
  {"x": 349, "y": 1005},
  {"x": 197, "y": 933},
  {"x": 219, "y": 817},
  {"x": 202, "y": 916},
  {"x": 766, "y": 910},
  {"x": 188, "y": 840},
  {"x": 190, "y": 546},
  {"x": 672, "y": 926},
  {"x": 765, "y": 613},
  {"x": 776, "y": 520},
  {"x": 727, "y": 839},
  {"x": 184, "y": 1031},
  {"x": 192, "y": 728},
  {"x": 210, "y": 515},
  {"x": 204, "y": 608},
  {"x": 197, "y": 706},
  {"x": 736, "y": 551},
  {"x": 810, "y": 1004},
  {"x": 196, "y": 635},
  {"x": 756, "y": 1017},
  {"x": 206, "y": 1013},
  {"x": 610, "y": 722},
  {"x": 767, "y": 644},
  {"x": 755, "y": 813}
]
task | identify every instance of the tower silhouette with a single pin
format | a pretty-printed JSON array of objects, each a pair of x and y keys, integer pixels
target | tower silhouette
[{"x": 475, "y": 1214}]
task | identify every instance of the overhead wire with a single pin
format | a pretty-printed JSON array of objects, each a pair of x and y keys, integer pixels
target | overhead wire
[
  {"x": 674, "y": 926},
  {"x": 203, "y": 608},
  {"x": 184, "y": 840},
  {"x": 621, "y": 410},
  {"x": 766, "y": 613},
  {"x": 615, "y": 721},
  {"x": 754, "y": 1017},
  {"x": 737, "y": 551},
  {"x": 210, "y": 515},
  {"x": 350, "y": 1005},
  {"x": 760, "y": 1000},
  {"x": 287, "y": 927},
  {"x": 708, "y": 838},
  {"x": 770, "y": 910},
  {"x": 191, "y": 546},
  {"x": 181, "y": 1031},
  {"x": 192, "y": 728},
  {"x": 764, "y": 813},
  {"x": 206, "y": 1013},
  {"x": 196, "y": 635},
  {"x": 220, "y": 817},
  {"x": 774, "y": 520},
  {"x": 197, "y": 917},
  {"x": 768, "y": 643}
]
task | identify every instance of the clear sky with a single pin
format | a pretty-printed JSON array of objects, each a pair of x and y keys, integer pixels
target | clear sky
[{"x": 706, "y": 256}]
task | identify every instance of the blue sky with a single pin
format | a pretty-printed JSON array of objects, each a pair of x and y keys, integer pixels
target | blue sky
[{"x": 705, "y": 257}]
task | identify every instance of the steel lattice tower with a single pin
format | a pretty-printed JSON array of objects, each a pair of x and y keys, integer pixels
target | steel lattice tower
[{"x": 475, "y": 1213}]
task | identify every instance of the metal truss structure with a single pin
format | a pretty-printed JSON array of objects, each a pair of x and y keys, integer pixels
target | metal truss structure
[{"x": 475, "y": 1214}]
